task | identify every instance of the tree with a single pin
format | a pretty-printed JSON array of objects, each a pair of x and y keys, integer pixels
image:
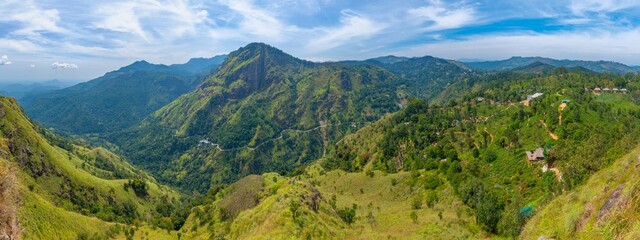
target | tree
[{"x": 489, "y": 211}]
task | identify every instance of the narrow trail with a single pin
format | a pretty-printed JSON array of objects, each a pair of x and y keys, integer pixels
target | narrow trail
[
  {"x": 553, "y": 136},
  {"x": 218, "y": 147},
  {"x": 561, "y": 108},
  {"x": 490, "y": 135}
]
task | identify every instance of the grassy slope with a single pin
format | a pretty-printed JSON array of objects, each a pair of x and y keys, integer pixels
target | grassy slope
[
  {"x": 574, "y": 215},
  {"x": 42, "y": 212},
  {"x": 390, "y": 207}
]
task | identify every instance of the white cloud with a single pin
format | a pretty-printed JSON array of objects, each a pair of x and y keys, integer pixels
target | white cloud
[
  {"x": 257, "y": 22},
  {"x": 58, "y": 65},
  {"x": 18, "y": 45},
  {"x": 4, "y": 60},
  {"x": 353, "y": 26},
  {"x": 152, "y": 20},
  {"x": 441, "y": 16},
  {"x": 34, "y": 20},
  {"x": 32, "y": 66}
]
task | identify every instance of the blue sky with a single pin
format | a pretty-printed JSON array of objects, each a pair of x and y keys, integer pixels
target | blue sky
[{"x": 81, "y": 40}]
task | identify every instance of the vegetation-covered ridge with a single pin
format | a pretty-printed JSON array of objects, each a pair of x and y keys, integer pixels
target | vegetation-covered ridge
[
  {"x": 119, "y": 99},
  {"x": 65, "y": 191},
  {"x": 478, "y": 141},
  {"x": 257, "y": 94}
]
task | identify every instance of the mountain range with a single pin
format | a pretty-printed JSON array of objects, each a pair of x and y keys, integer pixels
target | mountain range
[
  {"x": 259, "y": 144},
  {"x": 516, "y": 62}
]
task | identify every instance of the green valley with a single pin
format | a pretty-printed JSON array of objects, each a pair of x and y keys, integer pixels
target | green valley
[{"x": 270, "y": 146}]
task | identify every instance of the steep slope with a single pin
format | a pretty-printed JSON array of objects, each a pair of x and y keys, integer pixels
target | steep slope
[
  {"x": 119, "y": 99},
  {"x": 58, "y": 194},
  {"x": 515, "y": 62},
  {"x": 605, "y": 207},
  {"x": 264, "y": 110}
]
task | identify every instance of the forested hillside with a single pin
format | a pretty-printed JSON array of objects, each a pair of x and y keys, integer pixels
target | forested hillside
[
  {"x": 264, "y": 110},
  {"x": 478, "y": 141},
  {"x": 119, "y": 99}
]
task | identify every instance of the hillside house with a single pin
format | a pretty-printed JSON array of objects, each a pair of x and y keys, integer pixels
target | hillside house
[
  {"x": 535, "y": 95},
  {"x": 615, "y": 90},
  {"x": 204, "y": 142},
  {"x": 623, "y": 91},
  {"x": 536, "y": 155},
  {"x": 566, "y": 101},
  {"x": 597, "y": 90},
  {"x": 606, "y": 90}
]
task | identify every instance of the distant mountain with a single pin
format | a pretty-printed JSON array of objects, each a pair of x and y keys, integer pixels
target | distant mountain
[
  {"x": 425, "y": 76},
  {"x": 20, "y": 90},
  {"x": 516, "y": 62},
  {"x": 120, "y": 98},
  {"x": 389, "y": 59},
  {"x": 537, "y": 67},
  {"x": 200, "y": 65}
]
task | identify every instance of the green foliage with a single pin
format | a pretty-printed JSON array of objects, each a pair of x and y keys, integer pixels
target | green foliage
[
  {"x": 475, "y": 144},
  {"x": 348, "y": 215},
  {"x": 416, "y": 203},
  {"x": 139, "y": 187},
  {"x": 431, "y": 199},
  {"x": 414, "y": 217}
]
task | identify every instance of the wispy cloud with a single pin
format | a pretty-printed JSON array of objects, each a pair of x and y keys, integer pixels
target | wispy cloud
[
  {"x": 353, "y": 27},
  {"x": 581, "y": 7},
  {"x": 58, "y": 65},
  {"x": 150, "y": 19},
  {"x": 440, "y": 16},
  {"x": 33, "y": 20}
]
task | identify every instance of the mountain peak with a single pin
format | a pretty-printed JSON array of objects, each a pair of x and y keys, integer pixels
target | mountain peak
[
  {"x": 257, "y": 65},
  {"x": 266, "y": 51}
]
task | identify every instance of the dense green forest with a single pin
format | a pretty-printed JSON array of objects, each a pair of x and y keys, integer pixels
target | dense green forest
[{"x": 265, "y": 110}]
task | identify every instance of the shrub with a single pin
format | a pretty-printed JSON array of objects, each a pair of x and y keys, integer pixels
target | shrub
[
  {"x": 417, "y": 202},
  {"x": 348, "y": 215}
]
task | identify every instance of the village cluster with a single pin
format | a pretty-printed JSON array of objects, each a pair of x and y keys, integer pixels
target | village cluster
[{"x": 608, "y": 90}]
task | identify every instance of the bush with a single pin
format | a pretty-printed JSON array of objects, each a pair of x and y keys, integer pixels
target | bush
[
  {"x": 432, "y": 182},
  {"x": 348, "y": 215},
  {"x": 417, "y": 202},
  {"x": 414, "y": 217},
  {"x": 139, "y": 187}
]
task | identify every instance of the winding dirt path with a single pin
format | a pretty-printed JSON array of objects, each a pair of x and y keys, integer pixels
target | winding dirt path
[
  {"x": 552, "y": 135},
  {"x": 218, "y": 147}
]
